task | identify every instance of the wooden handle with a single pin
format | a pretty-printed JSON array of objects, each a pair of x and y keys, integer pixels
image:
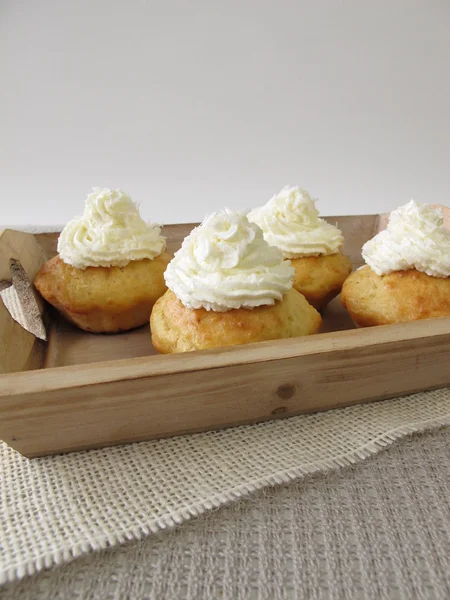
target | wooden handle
[{"x": 19, "y": 349}]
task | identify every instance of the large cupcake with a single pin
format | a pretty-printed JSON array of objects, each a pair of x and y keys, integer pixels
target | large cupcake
[
  {"x": 110, "y": 266},
  {"x": 407, "y": 271},
  {"x": 227, "y": 287},
  {"x": 290, "y": 221}
]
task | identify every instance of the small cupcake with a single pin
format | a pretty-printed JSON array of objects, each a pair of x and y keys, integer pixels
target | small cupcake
[
  {"x": 407, "y": 272},
  {"x": 109, "y": 270},
  {"x": 228, "y": 287},
  {"x": 290, "y": 221}
]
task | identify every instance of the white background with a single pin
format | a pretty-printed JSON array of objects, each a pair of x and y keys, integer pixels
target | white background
[{"x": 192, "y": 105}]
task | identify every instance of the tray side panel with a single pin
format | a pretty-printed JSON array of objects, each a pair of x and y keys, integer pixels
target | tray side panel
[{"x": 111, "y": 413}]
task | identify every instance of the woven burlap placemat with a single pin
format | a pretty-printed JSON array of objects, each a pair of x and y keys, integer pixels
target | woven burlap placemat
[
  {"x": 56, "y": 508},
  {"x": 376, "y": 530}
]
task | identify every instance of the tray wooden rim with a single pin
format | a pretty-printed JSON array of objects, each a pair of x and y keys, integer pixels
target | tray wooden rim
[{"x": 67, "y": 377}]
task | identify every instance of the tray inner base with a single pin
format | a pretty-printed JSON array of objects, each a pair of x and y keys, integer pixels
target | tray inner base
[{"x": 70, "y": 346}]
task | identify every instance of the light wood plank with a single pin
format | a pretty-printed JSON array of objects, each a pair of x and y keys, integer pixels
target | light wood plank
[{"x": 118, "y": 402}]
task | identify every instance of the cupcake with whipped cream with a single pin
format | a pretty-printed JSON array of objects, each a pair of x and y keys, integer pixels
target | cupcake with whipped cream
[
  {"x": 290, "y": 221},
  {"x": 407, "y": 271},
  {"x": 109, "y": 270},
  {"x": 228, "y": 287}
]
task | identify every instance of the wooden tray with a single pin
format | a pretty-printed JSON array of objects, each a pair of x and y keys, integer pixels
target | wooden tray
[{"x": 81, "y": 390}]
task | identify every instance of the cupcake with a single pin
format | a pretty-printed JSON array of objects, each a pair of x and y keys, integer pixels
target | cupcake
[
  {"x": 228, "y": 287},
  {"x": 109, "y": 270},
  {"x": 290, "y": 221},
  {"x": 407, "y": 271}
]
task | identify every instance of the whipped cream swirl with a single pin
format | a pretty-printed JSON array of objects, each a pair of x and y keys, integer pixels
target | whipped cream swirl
[
  {"x": 225, "y": 263},
  {"x": 290, "y": 221},
  {"x": 415, "y": 238},
  {"x": 110, "y": 233}
]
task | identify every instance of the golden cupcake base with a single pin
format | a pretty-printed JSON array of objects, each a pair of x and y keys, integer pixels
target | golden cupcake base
[
  {"x": 104, "y": 299},
  {"x": 397, "y": 297},
  {"x": 320, "y": 278},
  {"x": 176, "y": 328}
]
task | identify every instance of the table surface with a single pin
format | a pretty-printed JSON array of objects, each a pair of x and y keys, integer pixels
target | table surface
[{"x": 380, "y": 529}]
